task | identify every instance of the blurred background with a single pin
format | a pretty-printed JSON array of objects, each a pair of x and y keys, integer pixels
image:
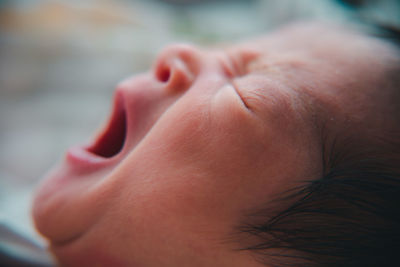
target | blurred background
[{"x": 61, "y": 59}]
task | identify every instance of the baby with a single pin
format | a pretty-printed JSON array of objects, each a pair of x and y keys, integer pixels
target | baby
[{"x": 279, "y": 151}]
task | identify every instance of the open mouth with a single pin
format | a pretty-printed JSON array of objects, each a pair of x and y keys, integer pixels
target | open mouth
[{"x": 111, "y": 140}]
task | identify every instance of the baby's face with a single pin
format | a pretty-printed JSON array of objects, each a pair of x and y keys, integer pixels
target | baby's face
[{"x": 201, "y": 140}]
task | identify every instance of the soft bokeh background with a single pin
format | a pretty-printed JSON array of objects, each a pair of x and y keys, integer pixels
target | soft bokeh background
[{"x": 60, "y": 61}]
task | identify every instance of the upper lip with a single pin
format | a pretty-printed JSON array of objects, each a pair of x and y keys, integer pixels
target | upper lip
[
  {"x": 110, "y": 141},
  {"x": 138, "y": 103}
]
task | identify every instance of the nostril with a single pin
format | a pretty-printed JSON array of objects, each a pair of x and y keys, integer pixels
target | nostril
[
  {"x": 177, "y": 65},
  {"x": 164, "y": 75}
]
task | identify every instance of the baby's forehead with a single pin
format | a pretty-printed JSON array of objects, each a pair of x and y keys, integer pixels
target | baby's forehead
[
  {"x": 311, "y": 37},
  {"x": 314, "y": 45},
  {"x": 342, "y": 70}
]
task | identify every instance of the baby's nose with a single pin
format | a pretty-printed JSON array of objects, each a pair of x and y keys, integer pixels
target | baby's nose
[{"x": 177, "y": 66}]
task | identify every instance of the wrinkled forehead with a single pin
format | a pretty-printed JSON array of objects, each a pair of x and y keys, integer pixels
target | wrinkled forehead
[
  {"x": 326, "y": 50},
  {"x": 313, "y": 37},
  {"x": 342, "y": 70}
]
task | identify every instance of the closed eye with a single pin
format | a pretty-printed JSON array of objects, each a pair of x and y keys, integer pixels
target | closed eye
[
  {"x": 238, "y": 93},
  {"x": 230, "y": 65}
]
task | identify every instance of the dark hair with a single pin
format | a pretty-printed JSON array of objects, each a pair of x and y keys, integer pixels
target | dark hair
[
  {"x": 349, "y": 217},
  {"x": 387, "y": 32}
]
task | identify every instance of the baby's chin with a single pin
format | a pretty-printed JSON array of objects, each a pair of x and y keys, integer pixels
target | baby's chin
[
  {"x": 90, "y": 251},
  {"x": 70, "y": 211},
  {"x": 66, "y": 205}
]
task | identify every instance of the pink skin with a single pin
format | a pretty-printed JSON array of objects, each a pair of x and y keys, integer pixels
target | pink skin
[{"x": 210, "y": 135}]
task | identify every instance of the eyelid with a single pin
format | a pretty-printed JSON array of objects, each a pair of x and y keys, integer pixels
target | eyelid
[
  {"x": 237, "y": 91},
  {"x": 234, "y": 67},
  {"x": 230, "y": 67}
]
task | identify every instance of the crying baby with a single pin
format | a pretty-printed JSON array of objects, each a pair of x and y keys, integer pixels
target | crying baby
[{"x": 277, "y": 151}]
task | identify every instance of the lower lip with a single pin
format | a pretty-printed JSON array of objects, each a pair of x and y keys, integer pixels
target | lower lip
[{"x": 81, "y": 158}]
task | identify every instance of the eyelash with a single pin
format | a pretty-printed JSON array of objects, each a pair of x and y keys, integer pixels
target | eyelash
[
  {"x": 234, "y": 85},
  {"x": 233, "y": 72}
]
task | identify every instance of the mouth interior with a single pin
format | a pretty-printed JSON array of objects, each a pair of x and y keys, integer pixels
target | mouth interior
[{"x": 112, "y": 140}]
